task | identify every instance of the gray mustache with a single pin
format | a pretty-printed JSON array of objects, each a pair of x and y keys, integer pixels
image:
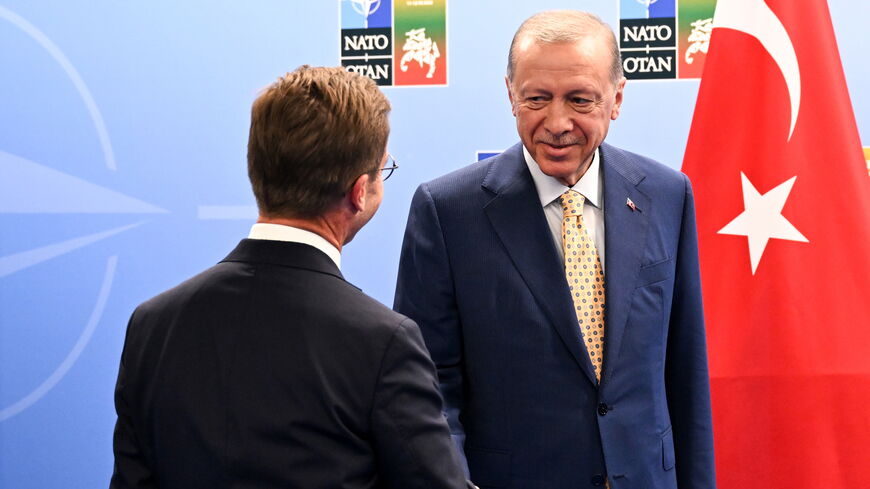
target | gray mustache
[{"x": 563, "y": 140}]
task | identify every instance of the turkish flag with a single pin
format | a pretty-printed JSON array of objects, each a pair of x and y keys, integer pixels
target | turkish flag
[{"x": 783, "y": 209}]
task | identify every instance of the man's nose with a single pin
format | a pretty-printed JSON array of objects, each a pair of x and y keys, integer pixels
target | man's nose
[{"x": 558, "y": 119}]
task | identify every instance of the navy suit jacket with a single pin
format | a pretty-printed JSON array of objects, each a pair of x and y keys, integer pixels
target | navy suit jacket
[
  {"x": 269, "y": 370},
  {"x": 481, "y": 275}
]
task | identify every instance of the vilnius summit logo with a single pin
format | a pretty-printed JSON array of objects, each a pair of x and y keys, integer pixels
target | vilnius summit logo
[
  {"x": 395, "y": 42},
  {"x": 664, "y": 39}
]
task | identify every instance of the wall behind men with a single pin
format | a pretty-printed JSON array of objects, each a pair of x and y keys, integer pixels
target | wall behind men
[{"x": 123, "y": 128}]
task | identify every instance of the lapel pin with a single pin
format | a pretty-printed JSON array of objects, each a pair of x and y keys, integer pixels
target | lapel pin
[{"x": 631, "y": 205}]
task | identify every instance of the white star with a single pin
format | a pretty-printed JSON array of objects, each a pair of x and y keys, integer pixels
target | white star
[{"x": 762, "y": 218}]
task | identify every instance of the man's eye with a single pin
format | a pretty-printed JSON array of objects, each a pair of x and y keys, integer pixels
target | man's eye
[
  {"x": 533, "y": 103},
  {"x": 536, "y": 102},
  {"x": 580, "y": 100}
]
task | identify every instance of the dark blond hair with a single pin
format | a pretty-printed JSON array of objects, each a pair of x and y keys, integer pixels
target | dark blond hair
[
  {"x": 556, "y": 26},
  {"x": 313, "y": 133}
]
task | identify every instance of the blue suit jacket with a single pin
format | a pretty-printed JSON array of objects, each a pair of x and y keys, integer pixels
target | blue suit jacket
[{"x": 481, "y": 275}]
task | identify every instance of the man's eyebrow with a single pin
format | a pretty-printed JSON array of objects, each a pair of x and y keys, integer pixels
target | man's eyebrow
[
  {"x": 583, "y": 90},
  {"x": 526, "y": 89}
]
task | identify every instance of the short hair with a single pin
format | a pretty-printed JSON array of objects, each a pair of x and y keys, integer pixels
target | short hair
[
  {"x": 557, "y": 26},
  {"x": 313, "y": 133}
]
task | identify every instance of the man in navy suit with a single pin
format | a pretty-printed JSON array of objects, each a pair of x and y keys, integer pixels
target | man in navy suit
[
  {"x": 488, "y": 276},
  {"x": 269, "y": 370}
]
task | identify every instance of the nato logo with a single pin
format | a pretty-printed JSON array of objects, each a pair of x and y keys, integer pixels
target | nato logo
[
  {"x": 395, "y": 43},
  {"x": 648, "y": 39},
  {"x": 664, "y": 39},
  {"x": 367, "y": 39}
]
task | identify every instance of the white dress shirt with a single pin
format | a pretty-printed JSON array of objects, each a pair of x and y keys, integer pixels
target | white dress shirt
[
  {"x": 280, "y": 232},
  {"x": 590, "y": 185}
]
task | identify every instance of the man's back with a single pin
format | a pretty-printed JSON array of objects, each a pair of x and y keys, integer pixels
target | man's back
[{"x": 269, "y": 370}]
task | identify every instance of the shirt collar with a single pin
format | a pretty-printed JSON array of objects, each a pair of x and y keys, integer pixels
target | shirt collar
[
  {"x": 280, "y": 232},
  {"x": 549, "y": 188}
]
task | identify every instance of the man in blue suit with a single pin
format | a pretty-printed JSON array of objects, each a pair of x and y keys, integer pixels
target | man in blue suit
[{"x": 509, "y": 264}]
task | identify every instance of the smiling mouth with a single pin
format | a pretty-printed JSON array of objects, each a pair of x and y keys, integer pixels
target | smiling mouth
[{"x": 557, "y": 152}]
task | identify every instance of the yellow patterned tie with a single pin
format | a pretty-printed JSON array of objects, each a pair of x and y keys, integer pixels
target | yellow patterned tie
[{"x": 585, "y": 277}]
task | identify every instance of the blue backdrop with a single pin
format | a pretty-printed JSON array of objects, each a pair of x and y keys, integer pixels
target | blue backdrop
[{"x": 122, "y": 172}]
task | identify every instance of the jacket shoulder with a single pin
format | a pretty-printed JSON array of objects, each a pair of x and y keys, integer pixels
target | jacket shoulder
[
  {"x": 460, "y": 181},
  {"x": 176, "y": 296},
  {"x": 643, "y": 170},
  {"x": 365, "y": 309}
]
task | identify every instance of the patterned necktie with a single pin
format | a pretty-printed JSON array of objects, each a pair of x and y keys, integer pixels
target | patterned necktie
[{"x": 585, "y": 277}]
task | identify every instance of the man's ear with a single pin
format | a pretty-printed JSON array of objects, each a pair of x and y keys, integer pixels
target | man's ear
[
  {"x": 617, "y": 100},
  {"x": 358, "y": 193},
  {"x": 510, "y": 93}
]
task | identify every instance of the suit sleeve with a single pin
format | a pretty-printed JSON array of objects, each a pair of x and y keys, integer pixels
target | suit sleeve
[
  {"x": 425, "y": 293},
  {"x": 687, "y": 377},
  {"x": 131, "y": 468},
  {"x": 411, "y": 438}
]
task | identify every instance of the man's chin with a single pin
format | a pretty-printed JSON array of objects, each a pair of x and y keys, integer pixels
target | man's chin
[
  {"x": 563, "y": 169},
  {"x": 561, "y": 164}
]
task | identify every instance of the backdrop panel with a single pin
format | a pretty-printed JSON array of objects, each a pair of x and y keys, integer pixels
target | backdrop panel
[{"x": 122, "y": 171}]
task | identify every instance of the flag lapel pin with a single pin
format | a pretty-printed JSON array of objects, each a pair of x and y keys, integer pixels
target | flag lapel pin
[{"x": 631, "y": 205}]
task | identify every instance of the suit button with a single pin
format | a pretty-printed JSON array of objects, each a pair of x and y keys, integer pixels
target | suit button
[
  {"x": 602, "y": 409},
  {"x": 597, "y": 480}
]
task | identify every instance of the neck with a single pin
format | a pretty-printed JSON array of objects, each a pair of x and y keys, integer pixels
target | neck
[
  {"x": 320, "y": 225},
  {"x": 570, "y": 182}
]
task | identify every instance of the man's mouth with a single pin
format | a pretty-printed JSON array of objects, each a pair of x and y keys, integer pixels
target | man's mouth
[{"x": 557, "y": 151}]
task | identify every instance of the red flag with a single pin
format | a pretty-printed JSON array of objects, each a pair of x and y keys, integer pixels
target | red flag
[{"x": 783, "y": 209}]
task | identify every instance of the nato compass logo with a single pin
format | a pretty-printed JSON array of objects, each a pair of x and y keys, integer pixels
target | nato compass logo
[
  {"x": 664, "y": 39},
  {"x": 48, "y": 313},
  {"x": 400, "y": 43},
  {"x": 367, "y": 39}
]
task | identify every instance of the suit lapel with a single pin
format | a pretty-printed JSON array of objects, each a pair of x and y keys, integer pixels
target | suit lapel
[
  {"x": 624, "y": 242},
  {"x": 518, "y": 219}
]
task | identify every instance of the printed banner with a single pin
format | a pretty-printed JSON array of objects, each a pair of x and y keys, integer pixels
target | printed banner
[
  {"x": 395, "y": 42},
  {"x": 664, "y": 39}
]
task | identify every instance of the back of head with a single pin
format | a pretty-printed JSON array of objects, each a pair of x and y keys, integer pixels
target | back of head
[
  {"x": 557, "y": 26},
  {"x": 313, "y": 132}
]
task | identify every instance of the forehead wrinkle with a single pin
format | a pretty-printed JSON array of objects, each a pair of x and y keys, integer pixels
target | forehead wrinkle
[
  {"x": 575, "y": 83},
  {"x": 586, "y": 55},
  {"x": 578, "y": 75}
]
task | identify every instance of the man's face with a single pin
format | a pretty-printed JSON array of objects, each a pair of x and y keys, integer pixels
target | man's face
[{"x": 563, "y": 99}]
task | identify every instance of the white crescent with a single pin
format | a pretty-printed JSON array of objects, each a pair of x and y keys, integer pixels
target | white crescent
[{"x": 755, "y": 18}]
